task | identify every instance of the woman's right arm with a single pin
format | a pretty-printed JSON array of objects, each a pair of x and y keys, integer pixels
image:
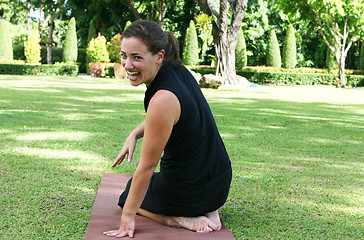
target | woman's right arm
[{"x": 129, "y": 145}]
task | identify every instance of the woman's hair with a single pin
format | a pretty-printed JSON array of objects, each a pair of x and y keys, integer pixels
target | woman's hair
[{"x": 155, "y": 39}]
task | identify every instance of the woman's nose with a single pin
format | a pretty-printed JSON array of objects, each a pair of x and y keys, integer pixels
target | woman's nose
[{"x": 127, "y": 63}]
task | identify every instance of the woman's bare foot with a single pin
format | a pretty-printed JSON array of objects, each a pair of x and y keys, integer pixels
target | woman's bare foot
[
  {"x": 214, "y": 220},
  {"x": 197, "y": 224}
]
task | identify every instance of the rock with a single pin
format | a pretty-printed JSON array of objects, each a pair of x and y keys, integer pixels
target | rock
[
  {"x": 197, "y": 76},
  {"x": 211, "y": 81},
  {"x": 242, "y": 82}
]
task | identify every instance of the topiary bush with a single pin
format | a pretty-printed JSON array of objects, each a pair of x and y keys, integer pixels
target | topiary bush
[
  {"x": 289, "y": 49},
  {"x": 190, "y": 50},
  {"x": 113, "y": 48},
  {"x": 240, "y": 51},
  {"x": 96, "y": 50},
  {"x": 6, "y": 46},
  {"x": 361, "y": 65},
  {"x": 32, "y": 47},
  {"x": 91, "y": 31},
  {"x": 273, "y": 54},
  {"x": 70, "y": 50}
]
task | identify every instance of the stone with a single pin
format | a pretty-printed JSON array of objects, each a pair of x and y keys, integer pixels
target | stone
[{"x": 211, "y": 81}]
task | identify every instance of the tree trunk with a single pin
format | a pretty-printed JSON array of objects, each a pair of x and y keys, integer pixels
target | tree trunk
[
  {"x": 225, "y": 34},
  {"x": 225, "y": 58},
  {"x": 50, "y": 41}
]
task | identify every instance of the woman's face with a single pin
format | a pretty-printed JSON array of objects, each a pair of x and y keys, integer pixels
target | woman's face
[{"x": 141, "y": 65}]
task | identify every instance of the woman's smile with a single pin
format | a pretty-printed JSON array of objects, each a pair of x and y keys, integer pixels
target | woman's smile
[{"x": 141, "y": 65}]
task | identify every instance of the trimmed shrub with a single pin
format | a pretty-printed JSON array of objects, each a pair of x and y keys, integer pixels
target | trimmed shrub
[
  {"x": 274, "y": 54},
  {"x": 190, "y": 50},
  {"x": 70, "y": 44},
  {"x": 362, "y": 56},
  {"x": 127, "y": 24},
  {"x": 6, "y": 46},
  {"x": 298, "y": 76},
  {"x": 289, "y": 49},
  {"x": 331, "y": 63},
  {"x": 96, "y": 50},
  {"x": 113, "y": 48},
  {"x": 91, "y": 31},
  {"x": 240, "y": 51},
  {"x": 32, "y": 47},
  {"x": 45, "y": 69}
]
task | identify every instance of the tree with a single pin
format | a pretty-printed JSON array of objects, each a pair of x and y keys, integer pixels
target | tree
[
  {"x": 339, "y": 22},
  {"x": 274, "y": 54},
  {"x": 190, "y": 50},
  {"x": 240, "y": 51},
  {"x": 225, "y": 32},
  {"x": 70, "y": 45},
  {"x": 6, "y": 48},
  {"x": 32, "y": 47},
  {"x": 49, "y": 11},
  {"x": 289, "y": 49}
]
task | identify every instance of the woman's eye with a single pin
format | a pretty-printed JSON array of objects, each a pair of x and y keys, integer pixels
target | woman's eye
[{"x": 138, "y": 58}]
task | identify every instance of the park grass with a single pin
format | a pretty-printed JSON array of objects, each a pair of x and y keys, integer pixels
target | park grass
[{"x": 297, "y": 156}]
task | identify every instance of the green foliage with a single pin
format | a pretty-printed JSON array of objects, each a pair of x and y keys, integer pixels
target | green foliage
[
  {"x": 289, "y": 49},
  {"x": 6, "y": 47},
  {"x": 91, "y": 31},
  {"x": 127, "y": 24},
  {"x": 190, "y": 51},
  {"x": 240, "y": 51},
  {"x": 32, "y": 47},
  {"x": 96, "y": 50},
  {"x": 331, "y": 62},
  {"x": 44, "y": 69},
  {"x": 204, "y": 27},
  {"x": 282, "y": 76},
  {"x": 273, "y": 54},
  {"x": 362, "y": 56},
  {"x": 70, "y": 50},
  {"x": 113, "y": 48}
]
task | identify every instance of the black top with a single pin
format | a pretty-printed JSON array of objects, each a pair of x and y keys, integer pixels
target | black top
[{"x": 195, "y": 170}]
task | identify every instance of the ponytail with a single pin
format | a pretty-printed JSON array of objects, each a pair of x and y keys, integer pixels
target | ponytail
[
  {"x": 172, "y": 50},
  {"x": 155, "y": 39}
]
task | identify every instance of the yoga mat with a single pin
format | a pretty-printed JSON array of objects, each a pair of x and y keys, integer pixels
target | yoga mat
[{"x": 106, "y": 215}]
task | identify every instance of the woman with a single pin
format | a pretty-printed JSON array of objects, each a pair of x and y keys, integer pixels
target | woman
[{"x": 195, "y": 170}]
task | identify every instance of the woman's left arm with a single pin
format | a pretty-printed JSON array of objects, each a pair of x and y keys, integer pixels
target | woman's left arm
[{"x": 163, "y": 113}]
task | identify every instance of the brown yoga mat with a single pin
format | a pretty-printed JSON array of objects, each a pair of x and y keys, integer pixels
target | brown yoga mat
[{"x": 106, "y": 214}]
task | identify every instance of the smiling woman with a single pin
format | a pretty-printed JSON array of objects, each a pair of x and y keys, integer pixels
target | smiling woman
[{"x": 195, "y": 169}]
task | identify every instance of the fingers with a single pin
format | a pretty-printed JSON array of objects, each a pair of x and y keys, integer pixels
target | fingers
[{"x": 119, "y": 234}]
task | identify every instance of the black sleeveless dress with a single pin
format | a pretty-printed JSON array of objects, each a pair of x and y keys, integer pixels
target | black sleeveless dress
[{"x": 195, "y": 170}]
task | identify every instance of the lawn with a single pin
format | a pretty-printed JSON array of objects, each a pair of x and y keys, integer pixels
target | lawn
[{"x": 297, "y": 155}]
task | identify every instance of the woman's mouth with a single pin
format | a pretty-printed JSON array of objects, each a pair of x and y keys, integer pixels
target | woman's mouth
[{"x": 133, "y": 75}]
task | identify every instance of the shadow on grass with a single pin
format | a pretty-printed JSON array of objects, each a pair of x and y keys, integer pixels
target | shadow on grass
[{"x": 298, "y": 168}]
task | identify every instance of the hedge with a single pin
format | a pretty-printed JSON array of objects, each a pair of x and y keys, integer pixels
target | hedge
[
  {"x": 278, "y": 76},
  {"x": 27, "y": 69}
]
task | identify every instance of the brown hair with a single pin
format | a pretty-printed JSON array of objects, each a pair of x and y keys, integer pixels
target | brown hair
[{"x": 155, "y": 39}]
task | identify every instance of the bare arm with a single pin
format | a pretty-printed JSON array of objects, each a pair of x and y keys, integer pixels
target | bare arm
[{"x": 163, "y": 112}]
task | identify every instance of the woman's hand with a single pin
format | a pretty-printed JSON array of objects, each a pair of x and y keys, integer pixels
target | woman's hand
[
  {"x": 127, "y": 150},
  {"x": 129, "y": 145},
  {"x": 126, "y": 229}
]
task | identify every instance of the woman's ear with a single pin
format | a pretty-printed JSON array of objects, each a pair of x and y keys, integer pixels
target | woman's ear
[{"x": 160, "y": 56}]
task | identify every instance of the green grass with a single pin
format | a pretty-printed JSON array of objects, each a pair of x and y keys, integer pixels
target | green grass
[{"x": 297, "y": 155}]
